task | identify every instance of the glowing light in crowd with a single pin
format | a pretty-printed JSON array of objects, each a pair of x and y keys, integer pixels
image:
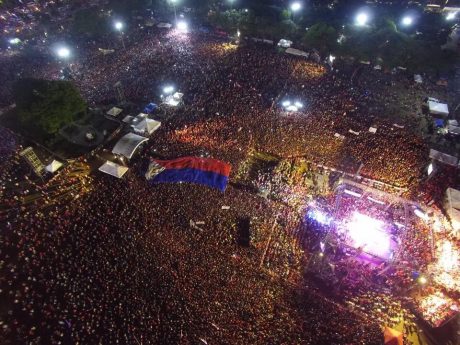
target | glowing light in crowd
[
  {"x": 168, "y": 89},
  {"x": 367, "y": 233},
  {"x": 422, "y": 280},
  {"x": 238, "y": 33},
  {"x": 448, "y": 256},
  {"x": 451, "y": 15},
  {"x": 362, "y": 19},
  {"x": 420, "y": 214},
  {"x": 63, "y": 52},
  {"x": 182, "y": 26},
  {"x": 295, "y": 6},
  {"x": 319, "y": 216},
  {"x": 119, "y": 26},
  {"x": 292, "y": 106},
  {"x": 430, "y": 169},
  {"x": 407, "y": 20},
  {"x": 15, "y": 40}
]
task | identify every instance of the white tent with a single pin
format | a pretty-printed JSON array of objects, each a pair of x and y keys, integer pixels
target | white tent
[
  {"x": 128, "y": 119},
  {"x": 128, "y": 144},
  {"x": 114, "y": 111},
  {"x": 452, "y": 206},
  {"x": 54, "y": 166},
  {"x": 297, "y": 52},
  {"x": 438, "y": 108},
  {"x": 443, "y": 157},
  {"x": 147, "y": 126},
  {"x": 164, "y": 25},
  {"x": 453, "y": 129},
  {"x": 418, "y": 78},
  {"x": 284, "y": 43},
  {"x": 113, "y": 169}
]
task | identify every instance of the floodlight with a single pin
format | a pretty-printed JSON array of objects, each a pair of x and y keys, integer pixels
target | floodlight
[
  {"x": 119, "y": 26},
  {"x": 295, "y": 6},
  {"x": 182, "y": 26},
  {"x": 298, "y": 104},
  {"x": 168, "y": 89},
  {"x": 451, "y": 15},
  {"x": 407, "y": 20},
  {"x": 15, "y": 40},
  {"x": 286, "y": 103},
  {"x": 63, "y": 52},
  {"x": 361, "y": 19}
]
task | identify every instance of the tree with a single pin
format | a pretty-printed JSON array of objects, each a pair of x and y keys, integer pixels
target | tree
[
  {"x": 89, "y": 22},
  {"x": 46, "y": 105},
  {"x": 322, "y": 37}
]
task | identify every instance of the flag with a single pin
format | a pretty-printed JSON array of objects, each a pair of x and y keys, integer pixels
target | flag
[{"x": 206, "y": 171}]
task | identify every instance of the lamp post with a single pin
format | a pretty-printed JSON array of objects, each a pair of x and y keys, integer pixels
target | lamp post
[
  {"x": 175, "y": 14},
  {"x": 119, "y": 27},
  {"x": 295, "y": 7}
]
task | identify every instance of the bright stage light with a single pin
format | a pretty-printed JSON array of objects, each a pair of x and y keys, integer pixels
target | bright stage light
[
  {"x": 15, "y": 40},
  {"x": 407, "y": 20},
  {"x": 368, "y": 234},
  {"x": 361, "y": 19},
  {"x": 286, "y": 104},
  {"x": 298, "y": 104}
]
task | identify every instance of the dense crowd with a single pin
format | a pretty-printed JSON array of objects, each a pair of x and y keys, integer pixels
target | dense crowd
[{"x": 118, "y": 260}]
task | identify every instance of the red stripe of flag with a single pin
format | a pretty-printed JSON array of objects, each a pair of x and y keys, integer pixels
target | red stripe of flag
[{"x": 204, "y": 164}]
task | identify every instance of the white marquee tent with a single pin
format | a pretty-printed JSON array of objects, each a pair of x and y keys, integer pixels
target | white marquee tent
[
  {"x": 147, "y": 126},
  {"x": 114, "y": 111},
  {"x": 443, "y": 157},
  {"x": 297, "y": 52},
  {"x": 128, "y": 144},
  {"x": 54, "y": 166},
  {"x": 438, "y": 108},
  {"x": 452, "y": 206},
  {"x": 113, "y": 169}
]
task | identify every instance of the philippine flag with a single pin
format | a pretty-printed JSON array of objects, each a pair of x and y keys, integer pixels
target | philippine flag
[{"x": 207, "y": 171}]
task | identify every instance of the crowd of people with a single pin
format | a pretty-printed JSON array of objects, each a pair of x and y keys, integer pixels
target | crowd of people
[{"x": 118, "y": 262}]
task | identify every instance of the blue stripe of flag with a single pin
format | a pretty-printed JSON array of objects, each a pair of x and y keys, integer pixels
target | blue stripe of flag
[{"x": 190, "y": 175}]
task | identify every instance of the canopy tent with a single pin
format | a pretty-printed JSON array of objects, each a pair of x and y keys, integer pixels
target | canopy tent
[
  {"x": 114, "y": 111},
  {"x": 284, "y": 43},
  {"x": 297, "y": 52},
  {"x": 438, "y": 108},
  {"x": 113, "y": 169},
  {"x": 54, "y": 166},
  {"x": 147, "y": 126},
  {"x": 128, "y": 144},
  {"x": 452, "y": 207},
  {"x": 392, "y": 336},
  {"x": 149, "y": 108},
  {"x": 443, "y": 157},
  {"x": 164, "y": 25},
  {"x": 453, "y": 129},
  {"x": 418, "y": 78},
  {"x": 174, "y": 100},
  {"x": 128, "y": 119}
]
